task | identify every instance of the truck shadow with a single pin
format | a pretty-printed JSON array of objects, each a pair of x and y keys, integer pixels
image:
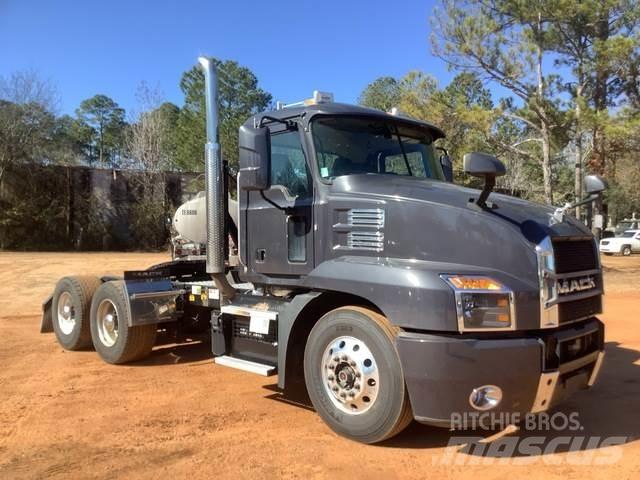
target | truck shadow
[
  {"x": 295, "y": 397},
  {"x": 603, "y": 415},
  {"x": 178, "y": 348}
]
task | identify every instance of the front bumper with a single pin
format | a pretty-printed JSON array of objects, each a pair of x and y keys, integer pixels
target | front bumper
[
  {"x": 534, "y": 370},
  {"x": 609, "y": 248}
]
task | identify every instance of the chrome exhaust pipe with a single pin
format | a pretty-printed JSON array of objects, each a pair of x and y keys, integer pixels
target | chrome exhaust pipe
[{"x": 214, "y": 184}]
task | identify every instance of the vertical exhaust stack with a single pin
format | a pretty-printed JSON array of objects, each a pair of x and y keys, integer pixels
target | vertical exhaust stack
[{"x": 214, "y": 184}]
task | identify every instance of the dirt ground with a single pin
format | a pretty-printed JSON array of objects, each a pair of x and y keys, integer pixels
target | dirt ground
[{"x": 177, "y": 415}]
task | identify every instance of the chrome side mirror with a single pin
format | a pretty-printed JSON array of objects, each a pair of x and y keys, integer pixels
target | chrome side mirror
[
  {"x": 254, "y": 158},
  {"x": 595, "y": 184}
]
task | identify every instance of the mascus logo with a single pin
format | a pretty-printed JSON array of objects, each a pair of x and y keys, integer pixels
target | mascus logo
[{"x": 576, "y": 285}]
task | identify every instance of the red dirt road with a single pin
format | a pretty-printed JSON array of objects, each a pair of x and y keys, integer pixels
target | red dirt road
[{"x": 177, "y": 415}]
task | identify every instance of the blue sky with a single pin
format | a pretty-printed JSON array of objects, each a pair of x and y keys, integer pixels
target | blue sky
[{"x": 88, "y": 47}]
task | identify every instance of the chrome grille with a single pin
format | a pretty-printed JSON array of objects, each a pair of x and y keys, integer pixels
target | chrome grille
[
  {"x": 373, "y": 241},
  {"x": 366, "y": 217},
  {"x": 568, "y": 261}
]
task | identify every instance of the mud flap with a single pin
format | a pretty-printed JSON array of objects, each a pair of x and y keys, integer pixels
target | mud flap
[
  {"x": 46, "y": 324},
  {"x": 151, "y": 302}
]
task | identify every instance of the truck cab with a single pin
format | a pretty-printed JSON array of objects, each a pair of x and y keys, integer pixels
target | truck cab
[
  {"x": 357, "y": 201},
  {"x": 306, "y": 215}
]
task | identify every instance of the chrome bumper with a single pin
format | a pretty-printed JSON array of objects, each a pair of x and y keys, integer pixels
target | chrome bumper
[{"x": 548, "y": 384}]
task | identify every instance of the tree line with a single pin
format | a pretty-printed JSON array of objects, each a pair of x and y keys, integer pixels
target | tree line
[
  {"x": 159, "y": 136},
  {"x": 571, "y": 73},
  {"x": 568, "y": 70}
]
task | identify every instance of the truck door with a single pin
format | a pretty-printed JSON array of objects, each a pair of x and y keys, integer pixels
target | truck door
[{"x": 280, "y": 219}]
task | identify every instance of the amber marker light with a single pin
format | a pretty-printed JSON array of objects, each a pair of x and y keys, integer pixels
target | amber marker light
[{"x": 470, "y": 282}]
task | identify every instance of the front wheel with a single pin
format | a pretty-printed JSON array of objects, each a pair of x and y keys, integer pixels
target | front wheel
[
  {"x": 626, "y": 250},
  {"x": 113, "y": 337},
  {"x": 354, "y": 376}
]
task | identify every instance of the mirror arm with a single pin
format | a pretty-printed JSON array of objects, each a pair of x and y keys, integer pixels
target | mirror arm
[
  {"x": 558, "y": 215},
  {"x": 287, "y": 210},
  {"x": 588, "y": 199},
  {"x": 489, "y": 183}
]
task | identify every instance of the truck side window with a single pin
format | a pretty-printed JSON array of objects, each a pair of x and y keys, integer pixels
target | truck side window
[
  {"x": 288, "y": 165},
  {"x": 396, "y": 164}
]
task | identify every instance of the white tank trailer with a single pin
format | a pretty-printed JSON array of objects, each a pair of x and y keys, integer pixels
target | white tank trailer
[{"x": 189, "y": 226}]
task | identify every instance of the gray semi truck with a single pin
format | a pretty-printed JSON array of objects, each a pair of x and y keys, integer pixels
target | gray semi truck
[{"x": 353, "y": 267}]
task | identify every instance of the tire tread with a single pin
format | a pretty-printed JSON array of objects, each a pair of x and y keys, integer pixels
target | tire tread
[
  {"x": 139, "y": 340},
  {"x": 405, "y": 415},
  {"x": 85, "y": 286}
]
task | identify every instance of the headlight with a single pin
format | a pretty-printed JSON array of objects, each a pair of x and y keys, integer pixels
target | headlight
[{"x": 482, "y": 303}]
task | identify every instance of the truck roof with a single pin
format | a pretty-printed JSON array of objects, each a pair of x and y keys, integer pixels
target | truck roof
[{"x": 309, "y": 111}]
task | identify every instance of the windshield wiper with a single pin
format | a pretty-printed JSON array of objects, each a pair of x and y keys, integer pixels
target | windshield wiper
[{"x": 404, "y": 154}]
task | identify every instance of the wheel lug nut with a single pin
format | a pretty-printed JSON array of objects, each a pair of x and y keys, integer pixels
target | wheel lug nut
[
  {"x": 344, "y": 358},
  {"x": 351, "y": 394},
  {"x": 357, "y": 386},
  {"x": 358, "y": 375},
  {"x": 331, "y": 378},
  {"x": 335, "y": 389},
  {"x": 331, "y": 366},
  {"x": 336, "y": 359},
  {"x": 343, "y": 395},
  {"x": 352, "y": 363}
]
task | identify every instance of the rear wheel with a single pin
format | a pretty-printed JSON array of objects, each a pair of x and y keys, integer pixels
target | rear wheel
[
  {"x": 114, "y": 340},
  {"x": 626, "y": 250},
  {"x": 70, "y": 309},
  {"x": 354, "y": 377}
]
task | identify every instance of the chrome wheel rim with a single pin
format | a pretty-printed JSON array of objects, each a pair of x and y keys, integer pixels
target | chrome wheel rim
[
  {"x": 107, "y": 322},
  {"x": 66, "y": 313},
  {"x": 350, "y": 375}
]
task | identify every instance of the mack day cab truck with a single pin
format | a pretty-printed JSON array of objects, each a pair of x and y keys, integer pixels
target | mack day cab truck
[{"x": 353, "y": 267}]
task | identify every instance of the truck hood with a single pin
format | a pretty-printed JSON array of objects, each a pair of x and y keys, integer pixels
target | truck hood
[
  {"x": 405, "y": 233},
  {"x": 532, "y": 220},
  {"x": 439, "y": 222}
]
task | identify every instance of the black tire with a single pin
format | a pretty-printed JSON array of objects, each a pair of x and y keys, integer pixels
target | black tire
[
  {"x": 625, "y": 250},
  {"x": 390, "y": 412},
  {"x": 76, "y": 293},
  {"x": 130, "y": 343}
]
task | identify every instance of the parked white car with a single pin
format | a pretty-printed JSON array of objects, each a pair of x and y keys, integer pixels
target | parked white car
[{"x": 625, "y": 244}]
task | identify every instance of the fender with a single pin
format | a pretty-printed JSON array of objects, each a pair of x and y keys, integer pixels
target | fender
[
  {"x": 411, "y": 293},
  {"x": 286, "y": 318},
  {"x": 149, "y": 302}
]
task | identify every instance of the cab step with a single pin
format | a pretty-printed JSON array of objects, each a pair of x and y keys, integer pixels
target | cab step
[{"x": 246, "y": 365}]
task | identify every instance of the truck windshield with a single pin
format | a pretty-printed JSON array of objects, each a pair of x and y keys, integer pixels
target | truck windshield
[{"x": 349, "y": 145}]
